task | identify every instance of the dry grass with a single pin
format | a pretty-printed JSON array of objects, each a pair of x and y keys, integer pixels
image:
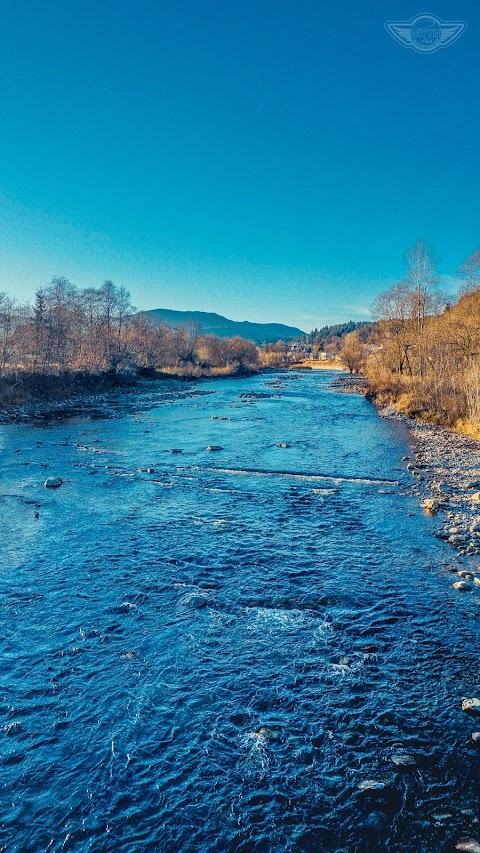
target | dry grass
[{"x": 467, "y": 428}]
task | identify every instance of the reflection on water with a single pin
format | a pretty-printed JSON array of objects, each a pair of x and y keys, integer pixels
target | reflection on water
[{"x": 229, "y": 654}]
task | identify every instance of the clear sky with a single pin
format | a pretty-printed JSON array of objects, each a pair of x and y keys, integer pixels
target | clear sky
[{"x": 268, "y": 161}]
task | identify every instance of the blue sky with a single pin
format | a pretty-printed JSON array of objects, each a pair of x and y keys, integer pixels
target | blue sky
[{"x": 268, "y": 161}]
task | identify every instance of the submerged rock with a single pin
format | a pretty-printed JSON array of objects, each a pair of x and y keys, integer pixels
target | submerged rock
[
  {"x": 371, "y": 785},
  {"x": 194, "y": 600},
  {"x": 282, "y": 444},
  {"x": 53, "y": 483},
  {"x": 376, "y": 821},
  {"x": 476, "y": 737},
  {"x": 404, "y": 760},
  {"x": 268, "y": 734}
]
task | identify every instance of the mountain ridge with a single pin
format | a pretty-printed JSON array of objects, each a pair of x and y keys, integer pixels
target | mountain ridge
[{"x": 211, "y": 323}]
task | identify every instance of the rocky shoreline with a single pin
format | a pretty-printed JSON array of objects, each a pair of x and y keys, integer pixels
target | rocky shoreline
[
  {"x": 351, "y": 383},
  {"x": 445, "y": 467},
  {"x": 94, "y": 395},
  {"x": 75, "y": 405}
]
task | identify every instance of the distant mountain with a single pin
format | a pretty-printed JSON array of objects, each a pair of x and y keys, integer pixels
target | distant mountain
[{"x": 215, "y": 324}]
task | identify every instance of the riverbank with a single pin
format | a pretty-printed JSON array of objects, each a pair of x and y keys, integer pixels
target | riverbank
[
  {"x": 24, "y": 395},
  {"x": 332, "y": 364},
  {"x": 445, "y": 467},
  {"x": 27, "y": 396}
]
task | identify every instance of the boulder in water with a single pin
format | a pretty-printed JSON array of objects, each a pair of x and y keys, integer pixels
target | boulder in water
[
  {"x": 282, "y": 444},
  {"x": 214, "y": 447},
  {"x": 456, "y": 539},
  {"x": 471, "y": 706},
  {"x": 53, "y": 483},
  {"x": 463, "y": 586},
  {"x": 470, "y": 845}
]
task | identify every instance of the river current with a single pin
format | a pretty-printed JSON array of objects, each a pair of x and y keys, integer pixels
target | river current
[{"x": 229, "y": 651}]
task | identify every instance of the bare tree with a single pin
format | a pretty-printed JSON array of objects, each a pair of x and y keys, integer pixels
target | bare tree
[
  {"x": 7, "y": 307},
  {"x": 470, "y": 271},
  {"x": 352, "y": 352},
  {"x": 422, "y": 275}
]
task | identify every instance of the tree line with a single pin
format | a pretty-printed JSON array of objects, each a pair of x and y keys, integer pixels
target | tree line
[
  {"x": 331, "y": 334},
  {"x": 424, "y": 351},
  {"x": 68, "y": 329}
]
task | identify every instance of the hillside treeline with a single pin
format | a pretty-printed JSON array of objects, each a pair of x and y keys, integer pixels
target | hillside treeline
[
  {"x": 424, "y": 353},
  {"x": 94, "y": 330},
  {"x": 332, "y": 334}
]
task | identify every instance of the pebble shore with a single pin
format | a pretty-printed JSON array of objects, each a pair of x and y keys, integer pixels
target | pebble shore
[
  {"x": 445, "y": 467},
  {"x": 445, "y": 470}
]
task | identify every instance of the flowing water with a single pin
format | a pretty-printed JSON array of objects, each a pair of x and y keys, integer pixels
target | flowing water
[{"x": 214, "y": 654}]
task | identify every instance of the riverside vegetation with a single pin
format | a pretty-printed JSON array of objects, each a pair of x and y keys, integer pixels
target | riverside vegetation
[
  {"x": 70, "y": 338},
  {"x": 423, "y": 354}
]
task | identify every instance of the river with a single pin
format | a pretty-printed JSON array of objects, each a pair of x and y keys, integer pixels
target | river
[{"x": 214, "y": 655}]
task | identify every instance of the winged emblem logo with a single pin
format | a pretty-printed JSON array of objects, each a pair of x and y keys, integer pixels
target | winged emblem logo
[{"x": 425, "y": 33}]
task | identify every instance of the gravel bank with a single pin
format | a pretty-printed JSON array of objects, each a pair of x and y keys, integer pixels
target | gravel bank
[{"x": 445, "y": 467}]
